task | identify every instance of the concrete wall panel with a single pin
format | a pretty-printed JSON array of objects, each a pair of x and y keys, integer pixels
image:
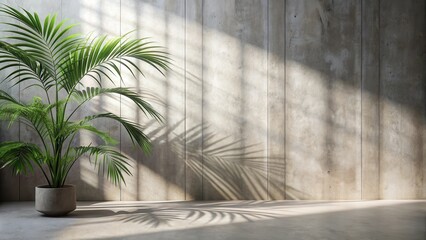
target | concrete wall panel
[
  {"x": 252, "y": 18},
  {"x": 402, "y": 106},
  {"x": 160, "y": 175},
  {"x": 132, "y": 190},
  {"x": 234, "y": 105},
  {"x": 323, "y": 100},
  {"x": 276, "y": 96},
  {"x": 193, "y": 99},
  {"x": 370, "y": 99},
  {"x": 221, "y": 101}
]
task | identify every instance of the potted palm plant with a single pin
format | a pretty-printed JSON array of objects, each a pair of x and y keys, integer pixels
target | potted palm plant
[{"x": 42, "y": 54}]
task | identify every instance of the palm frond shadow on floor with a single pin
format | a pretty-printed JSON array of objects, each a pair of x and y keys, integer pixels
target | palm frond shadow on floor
[{"x": 153, "y": 216}]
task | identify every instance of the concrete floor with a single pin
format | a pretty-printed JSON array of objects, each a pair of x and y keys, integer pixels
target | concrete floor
[{"x": 220, "y": 220}]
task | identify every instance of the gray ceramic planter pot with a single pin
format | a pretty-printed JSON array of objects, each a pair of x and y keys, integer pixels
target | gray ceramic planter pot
[{"x": 55, "y": 201}]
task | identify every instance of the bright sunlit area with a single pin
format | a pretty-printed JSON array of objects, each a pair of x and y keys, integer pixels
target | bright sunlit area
[{"x": 213, "y": 119}]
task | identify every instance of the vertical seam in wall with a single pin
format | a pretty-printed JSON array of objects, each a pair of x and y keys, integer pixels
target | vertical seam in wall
[
  {"x": 119, "y": 129},
  {"x": 267, "y": 100},
  {"x": 285, "y": 100},
  {"x": 61, "y": 17},
  {"x": 185, "y": 100},
  {"x": 19, "y": 132},
  {"x": 202, "y": 99},
  {"x": 362, "y": 90},
  {"x": 423, "y": 121},
  {"x": 379, "y": 103}
]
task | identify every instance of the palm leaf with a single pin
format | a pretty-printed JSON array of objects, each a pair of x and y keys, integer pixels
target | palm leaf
[
  {"x": 35, "y": 115},
  {"x": 6, "y": 98},
  {"x": 43, "y": 41},
  {"x": 73, "y": 127},
  {"x": 134, "y": 130},
  {"x": 91, "y": 92},
  {"x": 25, "y": 66},
  {"x": 106, "y": 160},
  {"x": 19, "y": 156},
  {"x": 104, "y": 56}
]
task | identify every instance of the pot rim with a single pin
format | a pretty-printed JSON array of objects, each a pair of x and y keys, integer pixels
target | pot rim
[{"x": 49, "y": 187}]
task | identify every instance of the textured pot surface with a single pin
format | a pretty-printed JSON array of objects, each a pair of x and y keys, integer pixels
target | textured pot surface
[{"x": 55, "y": 201}]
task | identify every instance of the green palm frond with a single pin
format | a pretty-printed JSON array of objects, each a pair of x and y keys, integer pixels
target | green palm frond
[
  {"x": 23, "y": 66},
  {"x": 73, "y": 127},
  {"x": 20, "y": 156},
  {"x": 106, "y": 160},
  {"x": 44, "y": 41},
  {"x": 35, "y": 115},
  {"x": 134, "y": 130},
  {"x": 105, "y": 56},
  {"x": 91, "y": 92},
  {"x": 7, "y": 98},
  {"x": 43, "y": 54}
]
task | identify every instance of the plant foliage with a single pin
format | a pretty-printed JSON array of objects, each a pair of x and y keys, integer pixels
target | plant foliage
[{"x": 44, "y": 54}]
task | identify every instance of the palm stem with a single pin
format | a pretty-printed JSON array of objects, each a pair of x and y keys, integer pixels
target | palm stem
[{"x": 44, "y": 173}]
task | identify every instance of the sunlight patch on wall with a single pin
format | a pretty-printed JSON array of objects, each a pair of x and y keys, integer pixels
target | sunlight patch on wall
[{"x": 100, "y": 17}]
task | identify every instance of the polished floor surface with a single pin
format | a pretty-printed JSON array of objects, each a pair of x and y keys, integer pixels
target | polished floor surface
[{"x": 220, "y": 220}]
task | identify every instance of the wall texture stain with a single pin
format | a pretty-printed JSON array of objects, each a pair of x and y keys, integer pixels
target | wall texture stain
[{"x": 267, "y": 99}]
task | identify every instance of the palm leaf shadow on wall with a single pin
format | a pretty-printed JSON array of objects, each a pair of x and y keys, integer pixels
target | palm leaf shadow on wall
[{"x": 222, "y": 164}]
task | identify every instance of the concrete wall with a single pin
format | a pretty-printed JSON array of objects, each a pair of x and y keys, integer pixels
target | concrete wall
[{"x": 272, "y": 99}]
